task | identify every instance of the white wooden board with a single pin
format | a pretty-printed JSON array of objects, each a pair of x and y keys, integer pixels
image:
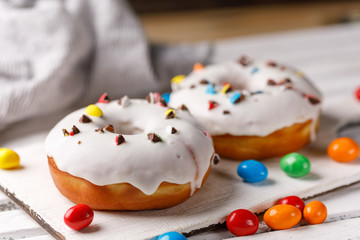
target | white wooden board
[{"x": 326, "y": 55}]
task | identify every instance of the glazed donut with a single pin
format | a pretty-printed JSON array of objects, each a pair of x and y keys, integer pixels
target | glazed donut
[
  {"x": 252, "y": 109},
  {"x": 129, "y": 154}
]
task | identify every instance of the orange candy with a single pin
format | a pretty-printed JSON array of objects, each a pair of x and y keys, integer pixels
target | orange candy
[
  {"x": 315, "y": 212},
  {"x": 343, "y": 149},
  {"x": 198, "y": 67},
  {"x": 282, "y": 216}
]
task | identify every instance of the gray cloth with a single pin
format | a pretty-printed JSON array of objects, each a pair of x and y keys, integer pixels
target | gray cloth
[{"x": 54, "y": 54}]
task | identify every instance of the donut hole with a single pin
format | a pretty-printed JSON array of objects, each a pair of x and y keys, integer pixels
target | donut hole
[{"x": 127, "y": 128}]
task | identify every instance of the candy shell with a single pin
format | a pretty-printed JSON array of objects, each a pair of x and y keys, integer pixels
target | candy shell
[
  {"x": 93, "y": 110},
  {"x": 166, "y": 97},
  {"x": 177, "y": 79},
  {"x": 315, "y": 212},
  {"x": 343, "y": 149},
  {"x": 295, "y": 165},
  {"x": 294, "y": 201},
  {"x": 226, "y": 88},
  {"x": 236, "y": 97},
  {"x": 210, "y": 89},
  {"x": 252, "y": 171},
  {"x": 171, "y": 236},
  {"x": 212, "y": 105},
  {"x": 357, "y": 93},
  {"x": 242, "y": 222},
  {"x": 282, "y": 216},
  {"x": 198, "y": 67},
  {"x": 9, "y": 159},
  {"x": 79, "y": 216}
]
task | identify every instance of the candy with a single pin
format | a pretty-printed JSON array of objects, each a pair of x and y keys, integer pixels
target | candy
[
  {"x": 212, "y": 105},
  {"x": 124, "y": 101},
  {"x": 119, "y": 139},
  {"x": 254, "y": 70},
  {"x": 207, "y": 134},
  {"x": 236, "y": 97},
  {"x": 177, "y": 79},
  {"x": 282, "y": 216},
  {"x": 210, "y": 89},
  {"x": 357, "y": 93},
  {"x": 315, "y": 212},
  {"x": 170, "y": 113},
  {"x": 343, "y": 149},
  {"x": 295, "y": 165},
  {"x": 198, "y": 67},
  {"x": 242, "y": 222},
  {"x": 252, "y": 171},
  {"x": 294, "y": 201},
  {"x": 93, "y": 110},
  {"x": 79, "y": 216},
  {"x": 171, "y": 236},
  {"x": 104, "y": 98},
  {"x": 226, "y": 88},
  {"x": 166, "y": 97},
  {"x": 9, "y": 159}
]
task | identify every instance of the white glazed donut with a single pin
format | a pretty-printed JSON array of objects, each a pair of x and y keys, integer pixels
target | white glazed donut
[
  {"x": 252, "y": 116},
  {"x": 151, "y": 157}
]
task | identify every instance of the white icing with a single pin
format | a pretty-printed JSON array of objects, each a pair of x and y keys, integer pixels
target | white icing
[
  {"x": 138, "y": 161},
  {"x": 259, "y": 114}
]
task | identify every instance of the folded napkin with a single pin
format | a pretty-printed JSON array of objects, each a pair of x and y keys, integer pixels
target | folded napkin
[{"x": 54, "y": 54}]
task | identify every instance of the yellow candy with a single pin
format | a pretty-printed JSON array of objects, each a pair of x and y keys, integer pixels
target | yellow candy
[
  {"x": 9, "y": 159},
  {"x": 300, "y": 74},
  {"x": 225, "y": 88},
  {"x": 177, "y": 79},
  {"x": 170, "y": 113},
  {"x": 93, "y": 110}
]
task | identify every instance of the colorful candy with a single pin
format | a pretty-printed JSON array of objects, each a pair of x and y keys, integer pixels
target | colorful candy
[
  {"x": 171, "y": 236},
  {"x": 177, "y": 79},
  {"x": 295, "y": 165},
  {"x": 254, "y": 70},
  {"x": 93, "y": 110},
  {"x": 212, "y": 105},
  {"x": 343, "y": 149},
  {"x": 198, "y": 67},
  {"x": 9, "y": 159},
  {"x": 282, "y": 216},
  {"x": 210, "y": 89},
  {"x": 294, "y": 201},
  {"x": 236, "y": 97},
  {"x": 252, "y": 171},
  {"x": 166, "y": 97},
  {"x": 242, "y": 222},
  {"x": 226, "y": 88},
  {"x": 357, "y": 93},
  {"x": 170, "y": 113},
  {"x": 315, "y": 212},
  {"x": 79, "y": 216},
  {"x": 104, "y": 98}
]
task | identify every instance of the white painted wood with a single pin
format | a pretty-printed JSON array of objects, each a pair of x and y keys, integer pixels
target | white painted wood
[
  {"x": 44, "y": 237},
  {"x": 224, "y": 191}
]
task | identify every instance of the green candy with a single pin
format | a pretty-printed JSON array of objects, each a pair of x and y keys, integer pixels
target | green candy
[{"x": 295, "y": 165}]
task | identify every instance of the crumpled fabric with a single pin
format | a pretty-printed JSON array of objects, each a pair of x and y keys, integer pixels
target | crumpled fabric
[{"x": 55, "y": 54}]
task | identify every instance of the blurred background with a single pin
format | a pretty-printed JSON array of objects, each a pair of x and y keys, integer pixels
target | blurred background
[{"x": 188, "y": 20}]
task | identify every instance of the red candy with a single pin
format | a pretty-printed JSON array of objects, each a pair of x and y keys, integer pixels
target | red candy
[
  {"x": 357, "y": 93},
  {"x": 104, "y": 98},
  {"x": 294, "y": 201},
  {"x": 213, "y": 104},
  {"x": 242, "y": 222},
  {"x": 79, "y": 216}
]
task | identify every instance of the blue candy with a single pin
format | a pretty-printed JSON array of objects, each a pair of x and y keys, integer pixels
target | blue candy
[
  {"x": 166, "y": 97},
  {"x": 257, "y": 92},
  {"x": 235, "y": 97},
  {"x": 252, "y": 171},
  {"x": 210, "y": 89},
  {"x": 171, "y": 236},
  {"x": 254, "y": 70}
]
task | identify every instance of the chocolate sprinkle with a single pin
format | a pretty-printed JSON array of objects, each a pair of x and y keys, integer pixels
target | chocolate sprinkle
[
  {"x": 313, "y": 100},
  {"x": 119, "y": 139},
  {"x": 271, "y": 64},
  {"x": 244, "y": 60},
  {"x": 85, "y": 119},
  {"x": 216, "y": 159},
  {"x": 271, "y": 82},
  {"x": 173, "y": 130},
  {"x": 226, "y": 112},
  {"x": 99, "y": 130},
  {"x": 171, "y": 114},
  {"x": 75, "y": 130},
  {"x": 192, "y": 86},
  {"x": 183, "y": 107},
  {"x": 154, "y": 137},
  {"x": 65, "y": 132},
  {"x": 204, "y": 81},
  {"x": 283, "y": 67},
  {"x": 109, "y": 128},
  {"x": 148, "y": 98},
  {"x": 163, "y": 102},
  {"x": 286, "y": 81},
  {"x": 79, "y": 142}
]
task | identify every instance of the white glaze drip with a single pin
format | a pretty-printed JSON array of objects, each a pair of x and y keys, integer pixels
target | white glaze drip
[{"x": 138, "y": 161}]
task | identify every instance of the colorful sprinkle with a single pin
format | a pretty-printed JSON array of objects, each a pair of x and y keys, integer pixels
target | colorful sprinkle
[
  {"x": 254, "y": 70},
  {"x": 65, "y": 132},
  {"x": 170, "y": 113},
  {"x": 245, "y": 60},
  {"x": 183, "y": 107},
  {"x": 357, "y": 93},
  {"x": 312, "y": 99},
  {"x": 154, "y": 137},
  {"x": 213, "y": 104},
  {"x": 166, "y": 97},
  {"x": 271, "y": 64},
  {"x": 93, "y": 110},
  {"x": 109, "y": 128},
  {"x": 104, "y": 98},
  {"x": 177, "y": 79},
  {"x": 236, "y": 97},
  {"x": 204, "y": 81},
  {"x": 171, "y": 130},
  {"x": 257, "y": 92},
  {"x": 198, "y": 67},
  {"x": 210, "y": 89},
  {"x": 100, "y": 130},
  {"x": 85, "y": 119},
  {"x": 226, "y": 88},
  {"x": 9, "y": 159},
  {"x": 119, "y": 139},
  {"x": 252, "y": 171},
  {"x": 216, "y": 159},
  {"x": 124, "y": 101}
]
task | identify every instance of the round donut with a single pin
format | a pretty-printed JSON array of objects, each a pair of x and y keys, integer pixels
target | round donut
[
  {"x": 130, "y": 154},
  {"x": 252, "y": 109}
]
